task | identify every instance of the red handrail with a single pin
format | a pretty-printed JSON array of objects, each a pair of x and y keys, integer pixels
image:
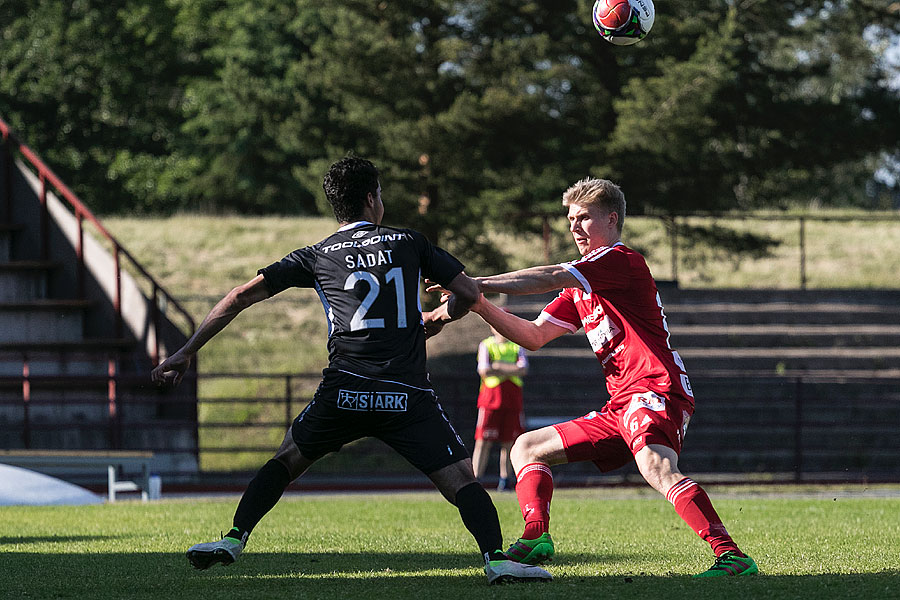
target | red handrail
[{"x": 81, "y": 213}]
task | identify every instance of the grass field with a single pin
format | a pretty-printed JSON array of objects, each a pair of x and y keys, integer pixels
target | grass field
[{"x": 610, "y": 544}]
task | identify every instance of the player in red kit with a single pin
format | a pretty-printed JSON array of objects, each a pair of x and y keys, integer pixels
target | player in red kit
[{"x": 611, "y": 294}]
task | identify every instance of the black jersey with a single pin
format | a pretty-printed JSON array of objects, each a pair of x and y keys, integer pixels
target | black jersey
[{"x": 367, "y": 277}]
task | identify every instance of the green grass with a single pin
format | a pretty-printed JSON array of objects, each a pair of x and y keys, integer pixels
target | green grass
[{"x": 610, "y": 544}]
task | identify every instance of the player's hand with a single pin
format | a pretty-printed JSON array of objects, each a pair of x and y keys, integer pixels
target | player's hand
[
  {"x": 432, "y": 326},
  {"x": 435, "y": 287},
  {"x": 171, "y": 371}
]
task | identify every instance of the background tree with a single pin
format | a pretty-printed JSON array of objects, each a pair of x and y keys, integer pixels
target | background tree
[
  {"x": 94, "y": 88},
  {"x": 479, "y": 113},
  {"x": 778, "y": 104}
]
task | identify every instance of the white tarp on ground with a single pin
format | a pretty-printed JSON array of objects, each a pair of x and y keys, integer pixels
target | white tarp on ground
[{"x": 21, "y": 486}]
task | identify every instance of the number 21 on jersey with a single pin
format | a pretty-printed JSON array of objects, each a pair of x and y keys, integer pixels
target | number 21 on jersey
[{"x": 359, "y": 320}]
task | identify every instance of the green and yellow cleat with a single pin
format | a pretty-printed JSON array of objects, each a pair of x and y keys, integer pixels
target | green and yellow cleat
[
  {"x": 730, "y": 564},
  {"x": 532, "y": 552}
]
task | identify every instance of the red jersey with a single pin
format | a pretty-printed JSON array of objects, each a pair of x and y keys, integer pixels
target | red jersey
[{"x": 623, "y": 319}]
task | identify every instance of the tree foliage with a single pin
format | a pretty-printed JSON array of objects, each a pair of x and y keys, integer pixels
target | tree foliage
[{"x": 478, "y": 113}]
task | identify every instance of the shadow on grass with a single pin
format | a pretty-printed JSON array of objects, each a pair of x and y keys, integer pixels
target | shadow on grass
[
  {"x": 43, "y": 539},
  {"x": 392, "y": 575}
]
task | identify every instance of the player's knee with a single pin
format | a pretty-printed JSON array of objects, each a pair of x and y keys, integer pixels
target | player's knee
[
  {"x": 654, "y": 480},
  {"x": 452, "y": 478},
  {"x": 661, "y": 473},
  {"x": 524, "y": 450},
  {"x": 295, "y": 463}
]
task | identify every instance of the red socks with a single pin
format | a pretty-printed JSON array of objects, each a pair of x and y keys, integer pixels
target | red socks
[
  {"x": 534, "y": 489},
  {"x": 693, "y": 505}
]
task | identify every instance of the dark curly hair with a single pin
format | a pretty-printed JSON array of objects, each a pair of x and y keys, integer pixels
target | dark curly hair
[{"x": 346, "y": 184}]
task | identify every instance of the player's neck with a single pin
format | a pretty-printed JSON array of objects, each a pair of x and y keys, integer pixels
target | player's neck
[
  {"x": 343, "y": 225},
  {"x": 612, "y": 241},
  {"x": 369, "y": 215}
]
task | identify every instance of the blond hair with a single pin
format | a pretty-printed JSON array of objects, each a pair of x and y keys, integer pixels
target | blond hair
[{"x": 597, "y": 192}]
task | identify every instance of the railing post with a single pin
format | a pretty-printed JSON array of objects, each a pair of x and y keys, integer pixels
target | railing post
[
  {"x": 79, "y": 253},
  {"x": 288, "y": 415},
  {"x": 115, "y": 423},
  {"x": 802, "y": 253},
  {"x": 798, "y": 430},
  {"x": 26, "y": 402},
  {"x": 118, "y": 298},
  {"x": 154, "y": 320},
  {"x": 45, "y": 219},
  {"x": 7, "y": 178},
  {"x": 546, "y": 234},
  {"x": 194, "y": 406},
  {"x": 673, "y": 240}
]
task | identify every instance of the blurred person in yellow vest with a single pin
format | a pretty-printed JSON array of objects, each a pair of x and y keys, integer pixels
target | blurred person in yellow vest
[{"x": 501, "y": 365}]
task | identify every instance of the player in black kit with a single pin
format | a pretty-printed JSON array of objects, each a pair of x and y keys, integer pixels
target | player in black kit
[{"x": 367, "y": 277}]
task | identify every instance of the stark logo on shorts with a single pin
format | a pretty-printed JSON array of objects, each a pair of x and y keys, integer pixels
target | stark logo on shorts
[{"x": 376, "y": 401}]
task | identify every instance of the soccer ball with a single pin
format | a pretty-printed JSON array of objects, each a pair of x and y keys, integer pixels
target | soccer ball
[{"x": 623, "y": 22}]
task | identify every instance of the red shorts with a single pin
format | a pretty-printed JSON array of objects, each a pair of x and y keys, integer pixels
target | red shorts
[
  {"x": 506, "y": 395},
  {"x": 502, "y": 425},
  {"x": 610, "y": 439}
]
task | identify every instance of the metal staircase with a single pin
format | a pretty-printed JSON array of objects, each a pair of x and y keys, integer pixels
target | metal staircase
[{"x": 81, "y": 325}]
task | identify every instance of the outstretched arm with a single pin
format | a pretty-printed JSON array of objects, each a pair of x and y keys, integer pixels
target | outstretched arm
[
  {"x": 533, "y": 280},
  {"x": 531, "y": 335},
  {"x": 460, "y": 294},
  {"x": 243, "y": 296}
]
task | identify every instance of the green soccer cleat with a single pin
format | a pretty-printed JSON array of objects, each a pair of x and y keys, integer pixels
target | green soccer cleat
[
  {"x": 730, "y": 563},
  {"x": 532, "y": 552},
  {"x": 507, "y": 571},
  {"x": 225, "y": 551}
]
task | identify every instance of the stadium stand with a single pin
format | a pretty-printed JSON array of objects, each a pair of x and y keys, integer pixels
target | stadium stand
[{"x": 79, "y": 332}]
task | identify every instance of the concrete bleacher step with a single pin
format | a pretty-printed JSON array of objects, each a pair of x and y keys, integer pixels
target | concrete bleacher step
[
  {"x": 752, "y": 400},
  {"x": 787, "y": 358},
  {"x": 782, "y": 334},
  {"x": 725, "y": 307},
  {"x": 88, "y": 357},
  {"x": 42, "y": 321},
  {"x": 765, "y": 313},
  {"x": 24, "y": 280},
  {"x": 834, "y": 388},
  {"x": 68, "y": 381},
  {"x": 781, "y": 313},
  {"x": 762, "y": 361},
  {"x": 817, "y": 465},
  {"x": 766, "y": 336}
]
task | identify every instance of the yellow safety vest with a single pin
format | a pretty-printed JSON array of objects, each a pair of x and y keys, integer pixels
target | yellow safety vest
[{"x": 507, "y": 352}]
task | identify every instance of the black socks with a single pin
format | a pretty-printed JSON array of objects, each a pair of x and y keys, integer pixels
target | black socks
[
  {"x": 480, "y": 517},
  {"x": 262, "y": 493},
  {"x": 475, "y": 507}
]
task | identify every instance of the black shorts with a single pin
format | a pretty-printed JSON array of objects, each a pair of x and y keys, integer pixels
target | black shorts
[{"x": 409, "y": 419}]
